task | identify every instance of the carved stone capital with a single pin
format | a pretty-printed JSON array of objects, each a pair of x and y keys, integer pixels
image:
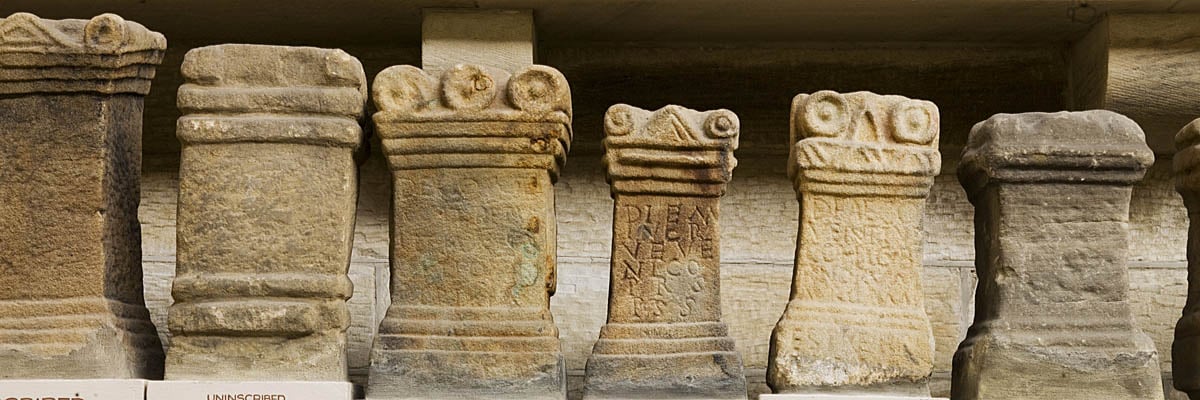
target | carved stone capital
[
  {"x": 1065, "y": 147},
  {"x": 670, "y": 151},
  {"x": 473, "y": 117},
  {"x": 313, "y": 96},
  {"x": 106, "y": 54},
  {"x": 864, "y": 143}
]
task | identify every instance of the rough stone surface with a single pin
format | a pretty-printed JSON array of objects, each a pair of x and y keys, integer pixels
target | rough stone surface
[
  {"x": 664, "y": 337},
  {"x": 266, "y": 213},
  {"x": 1186, "y": 349},
  {"x": 1051, "y": 195},
  {"x": 474, "y": 154},
  {"x": 862, "y": 164},
  {"x": 71, "y": 302}
]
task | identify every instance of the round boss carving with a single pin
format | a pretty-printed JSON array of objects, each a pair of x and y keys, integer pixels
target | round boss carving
[
  {"x": 538, "y": 89},
  {"x": 402, "y": 87},
  {"x": 826, "y": 114},
  {"x": 468, "y": 87},
  {"x": 618, "y": 121},
  {"x": 722, "y": 124},
  {"x": 915, "y": 122},
  {"x": 105, "y": 32}
]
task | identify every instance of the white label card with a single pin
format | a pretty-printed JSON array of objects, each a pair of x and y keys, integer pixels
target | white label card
[{"x": 291, "y": 390}]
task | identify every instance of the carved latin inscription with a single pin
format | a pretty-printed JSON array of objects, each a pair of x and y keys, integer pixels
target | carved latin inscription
[{"x": 665, "y": 260}]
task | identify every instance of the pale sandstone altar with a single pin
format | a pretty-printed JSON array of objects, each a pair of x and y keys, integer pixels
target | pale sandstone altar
[
  {"x": 862, "y": 165},
  {"x": 664, "y": 338},
  {"x": 474, "y": 153},
  {"x": 267, "y": 192},
  {"x": 1185, "y": 353},
  {"x": 71, "y": 95},
  {"x": 1053, "y": 319}
]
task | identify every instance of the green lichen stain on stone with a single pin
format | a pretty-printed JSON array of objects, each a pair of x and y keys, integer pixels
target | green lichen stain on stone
[
  {"x": 429, "y": 267},
  {"x": 527, "y": 268}
]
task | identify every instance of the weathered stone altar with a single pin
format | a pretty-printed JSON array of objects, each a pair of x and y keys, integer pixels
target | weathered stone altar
[
  {"x": 862, "y": 165},
  {"x": 473, "y": 154},
  {"x": 1053, "y": 318},
  {"x": 1186, "y": 348},
  {"x": 71, "y": 93},
  {"x": 268, "y": 187},
  {"x": 664, "y": 338}
]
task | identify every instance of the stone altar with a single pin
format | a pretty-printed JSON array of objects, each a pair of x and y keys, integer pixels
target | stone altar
[
  {"x": 862, "y": 165},
  {"x": 71, "y": 98},
  {"x": 1185, "y": 352},
  {"x": 474, "y": 153},
  {"x": 664, "y": 338},
  {"x": 267, "y": 196},
  {"x": 1053, "y": 322}
]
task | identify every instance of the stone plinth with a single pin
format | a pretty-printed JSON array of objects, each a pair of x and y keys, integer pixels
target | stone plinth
[
  {"x": 267, "y": 191},
  {"x": 1185, "y": 352},
  {"x": 71, "y": 302},
  {"x": 474, "y": 154},
  {"x": 862, "y": 165},
  {"x": 664, "y": 338},
  {"x": 1052, "y": 320}
]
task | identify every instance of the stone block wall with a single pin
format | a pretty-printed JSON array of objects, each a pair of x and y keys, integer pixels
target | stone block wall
[{"x": 759, "y": 214}]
